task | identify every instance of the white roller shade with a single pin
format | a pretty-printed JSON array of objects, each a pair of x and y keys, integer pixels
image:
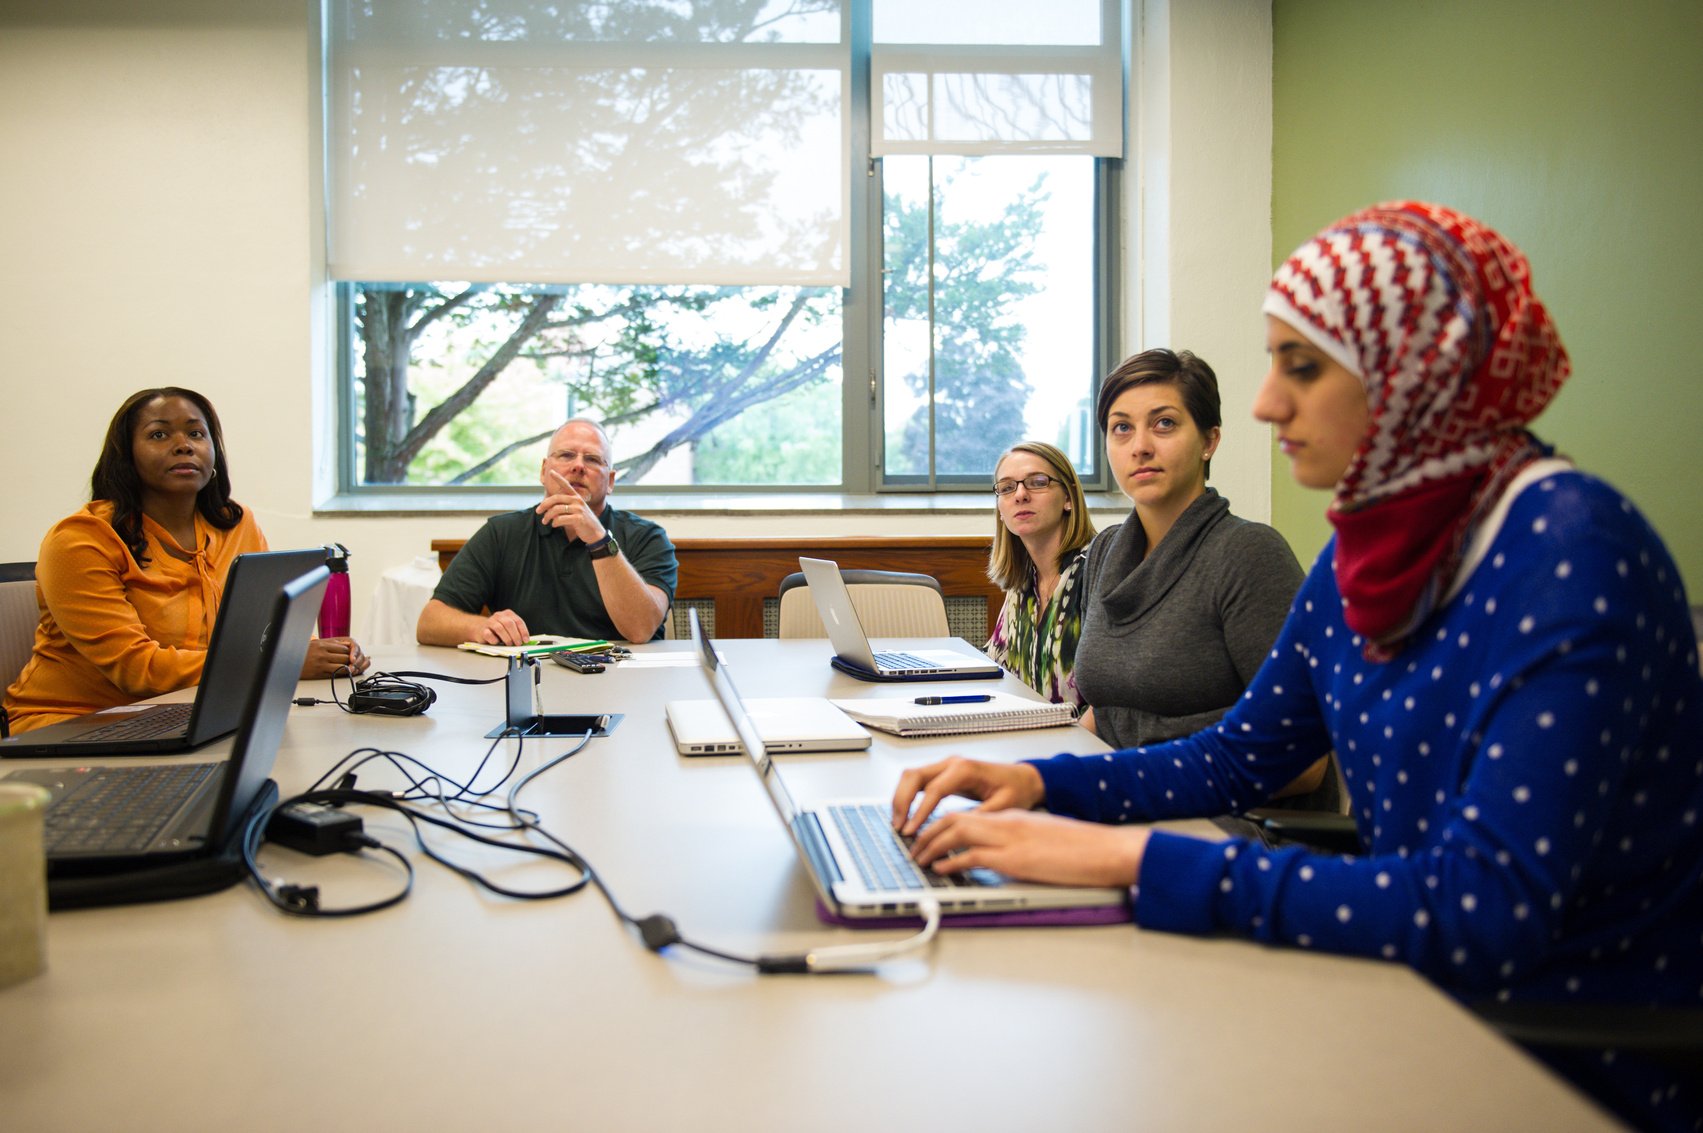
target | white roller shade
[
  {"x": 998, "y": 76},
  {"x": 629, "y": 141}
]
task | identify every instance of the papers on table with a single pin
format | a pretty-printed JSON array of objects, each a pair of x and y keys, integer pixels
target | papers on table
[
  {"x": 659, "y": 661},
  {"x": 536, "y": 646}
]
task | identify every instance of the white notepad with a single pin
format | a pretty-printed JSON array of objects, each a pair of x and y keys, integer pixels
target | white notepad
[{"x": 1001, "y": 712}]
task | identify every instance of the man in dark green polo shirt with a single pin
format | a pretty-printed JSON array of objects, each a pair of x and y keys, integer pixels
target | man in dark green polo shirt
[{"x": 573, "y": 565}]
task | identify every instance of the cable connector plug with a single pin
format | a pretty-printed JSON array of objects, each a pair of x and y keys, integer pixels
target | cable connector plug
[
  {"x": 658, "y": 932},
  {"x": 299, "y": 898},
  {"x": 796, "y": 965}
]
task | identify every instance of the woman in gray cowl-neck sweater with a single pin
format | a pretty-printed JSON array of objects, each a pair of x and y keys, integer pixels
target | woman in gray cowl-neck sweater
[{"x": 1183, "y": 599}]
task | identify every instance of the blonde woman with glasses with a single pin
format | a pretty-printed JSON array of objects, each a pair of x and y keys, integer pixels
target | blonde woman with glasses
[{"x": 1039, "y": 542}]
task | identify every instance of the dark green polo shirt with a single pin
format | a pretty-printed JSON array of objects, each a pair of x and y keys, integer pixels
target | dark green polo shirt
[{"x": 516, "y": 563}]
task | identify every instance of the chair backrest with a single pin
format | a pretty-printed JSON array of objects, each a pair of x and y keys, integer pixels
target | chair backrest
[
  {"x": 889, "y": 603},
  {"x": 18, "y": 618}
]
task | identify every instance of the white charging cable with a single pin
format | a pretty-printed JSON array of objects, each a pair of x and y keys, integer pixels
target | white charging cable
[{"x": 850, "y": 957}]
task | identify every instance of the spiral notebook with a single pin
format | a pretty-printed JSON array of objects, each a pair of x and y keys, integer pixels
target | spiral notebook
[{"x": 1000, "y": 712}]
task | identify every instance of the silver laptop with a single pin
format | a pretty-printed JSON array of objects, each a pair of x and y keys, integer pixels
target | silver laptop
[
  {"x": 853, "y": 654},
  {"x": 126, "y": 815},
  {"x": 233, "y": 662},
  {"x": 859, "y": 865},
  {"x": 786, "y": 723}
]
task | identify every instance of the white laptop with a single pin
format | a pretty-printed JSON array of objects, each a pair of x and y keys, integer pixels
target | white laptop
[
  {"x": 859, "y": 865},
  {"x": 851, "y": 645},
  {"x": 786, "y": 723}
]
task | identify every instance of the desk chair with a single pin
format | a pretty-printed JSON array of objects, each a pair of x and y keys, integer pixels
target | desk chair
[
  {"x": 1697, "y": 629},
  {"x": 889, "y": 603},
  {"x": 1669, "y": 1036},
  {"x": 18, "y": 618}
]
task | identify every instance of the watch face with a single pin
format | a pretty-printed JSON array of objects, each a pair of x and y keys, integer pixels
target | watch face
[{"x": 606, "y": 549}]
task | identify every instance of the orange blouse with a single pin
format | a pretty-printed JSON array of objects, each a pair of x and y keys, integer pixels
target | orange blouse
[{"x": 113, "y": 632}]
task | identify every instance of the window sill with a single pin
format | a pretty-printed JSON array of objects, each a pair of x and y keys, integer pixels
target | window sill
[{"x": 418, "y": 502}]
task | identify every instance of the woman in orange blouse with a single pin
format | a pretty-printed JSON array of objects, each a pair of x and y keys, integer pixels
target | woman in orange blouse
[{"x": 129, "y": 586}]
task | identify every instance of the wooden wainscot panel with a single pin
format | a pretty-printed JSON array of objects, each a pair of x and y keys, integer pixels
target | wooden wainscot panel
[{"x": 738, "y": 574}]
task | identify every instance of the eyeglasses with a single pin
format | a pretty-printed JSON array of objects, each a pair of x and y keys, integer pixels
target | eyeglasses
[
  {"x": 1038, "y": 482},
  {"x": 589, "y": 459}
]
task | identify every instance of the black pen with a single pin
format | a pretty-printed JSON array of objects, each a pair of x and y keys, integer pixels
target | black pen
[{"x": 968, "y": 698}]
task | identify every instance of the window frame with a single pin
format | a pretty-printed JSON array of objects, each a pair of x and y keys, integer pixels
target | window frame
[
  {"x": 863, "y": 381},
  {"x": 1107, "y": 173}
]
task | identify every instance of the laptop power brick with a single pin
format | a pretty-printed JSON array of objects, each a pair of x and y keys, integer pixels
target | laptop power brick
[
  {"x": 314, "y": 829},
  {"x": 388, "y": 702}
]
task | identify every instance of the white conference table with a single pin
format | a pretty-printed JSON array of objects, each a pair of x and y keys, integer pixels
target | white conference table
[{"x": 458, "y": 1009}]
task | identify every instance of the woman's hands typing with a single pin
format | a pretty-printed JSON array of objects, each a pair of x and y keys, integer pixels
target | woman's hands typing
[{"x": 1004, "y": 834}]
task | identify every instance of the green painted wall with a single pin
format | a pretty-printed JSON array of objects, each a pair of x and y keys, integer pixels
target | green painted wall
[{"x": 1576, "y": 128}]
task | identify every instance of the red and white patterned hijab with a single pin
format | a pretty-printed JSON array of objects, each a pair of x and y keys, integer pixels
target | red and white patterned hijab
[{"x": 1434, "y": 312}]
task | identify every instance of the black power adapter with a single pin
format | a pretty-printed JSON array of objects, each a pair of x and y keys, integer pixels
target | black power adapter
[
  {"x": 384, "y": 701},
  {"x": 386, "y": 695},
  {"x": 315, "y": 829}
]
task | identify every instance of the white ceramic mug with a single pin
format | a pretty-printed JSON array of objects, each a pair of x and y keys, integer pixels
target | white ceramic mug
[{"x": 23, "y": 882}]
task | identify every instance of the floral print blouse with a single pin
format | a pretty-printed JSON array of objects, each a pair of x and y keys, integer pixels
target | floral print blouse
[{"x": 1038, "y": 645}]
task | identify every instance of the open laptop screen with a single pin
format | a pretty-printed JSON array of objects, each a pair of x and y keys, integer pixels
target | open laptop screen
[
  {"x": 267, "y": 708},
  {"x": 749, "y": 738}
]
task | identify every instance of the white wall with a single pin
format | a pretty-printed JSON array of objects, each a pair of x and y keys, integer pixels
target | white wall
[
  {"x": 159, "y": 227},
  {"x": 1198, "y": 208}
]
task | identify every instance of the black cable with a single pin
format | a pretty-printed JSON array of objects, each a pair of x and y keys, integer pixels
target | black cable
[
  {"x": 447, "y": 677},
  {"x": 657, "y": 931},
  {"x": 415, "y": 817},
  {"x": 387, "y": 694},
  {"x": 421, "y": 789},
  {"x": 303, "y": 900}
]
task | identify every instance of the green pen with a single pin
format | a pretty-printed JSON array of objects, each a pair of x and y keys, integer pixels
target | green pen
[{"x": 535, "y": 647}]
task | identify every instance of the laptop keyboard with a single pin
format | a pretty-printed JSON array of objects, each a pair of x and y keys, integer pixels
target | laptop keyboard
[
  {"x": 903, "y": 661},
  {"x": 881, "y": 857},
  {"x": 121, "y": 809},
  {"x": 162, "y": 720}
]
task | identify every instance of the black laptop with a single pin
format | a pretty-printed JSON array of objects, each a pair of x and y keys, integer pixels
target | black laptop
[
  {"x": 128, "y": 815},
  {"x": 233, "y": 661}
]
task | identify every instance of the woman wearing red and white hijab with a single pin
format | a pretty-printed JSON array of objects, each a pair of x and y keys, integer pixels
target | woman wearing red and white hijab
[{"x": 1497, "y": 646}]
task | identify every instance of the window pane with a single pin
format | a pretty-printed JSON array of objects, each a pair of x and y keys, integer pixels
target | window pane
[
  {"x": 1001, "y": 347},
  {"x": 617, "y": 142},
  {"x": 987, "y": 22},
  {"x": 981, "y": 77},
  {"x": 459, "y": 384},
  {"x": 1017, "y": 111}
]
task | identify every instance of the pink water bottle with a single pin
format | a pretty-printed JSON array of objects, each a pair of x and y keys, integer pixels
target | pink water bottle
[{"x": 334, "y": 608}]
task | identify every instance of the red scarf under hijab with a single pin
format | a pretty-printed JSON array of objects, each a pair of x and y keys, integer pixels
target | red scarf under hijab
[{"x": 1434, "y": 312}]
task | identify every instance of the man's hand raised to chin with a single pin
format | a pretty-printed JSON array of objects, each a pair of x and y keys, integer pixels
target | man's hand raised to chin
[{"x": 564, "y": 508}]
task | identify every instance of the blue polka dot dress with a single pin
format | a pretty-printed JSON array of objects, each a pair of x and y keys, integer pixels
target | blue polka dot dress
[{"x": 1526, "y": 776}]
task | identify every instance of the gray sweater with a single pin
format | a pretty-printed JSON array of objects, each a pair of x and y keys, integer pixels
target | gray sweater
[{"x": 1171, "y": 639}]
